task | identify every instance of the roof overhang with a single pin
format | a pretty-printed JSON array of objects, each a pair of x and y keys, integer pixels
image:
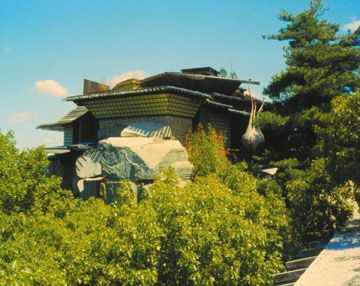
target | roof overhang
[
  {"x": 138, "y": 92},
  {"x": 52, "y": 127},
  {"x": 66, "y": 120},
  {"x": 160, "y": 100},
  {"x": 202, "y": 83}
]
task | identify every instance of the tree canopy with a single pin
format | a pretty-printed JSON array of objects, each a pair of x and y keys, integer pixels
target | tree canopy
[
  {"x": 309, "y": 137},
  {"x": 321, "y": 63}
]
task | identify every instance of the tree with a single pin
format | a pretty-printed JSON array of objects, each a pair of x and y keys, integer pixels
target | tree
[
  {"x": 25, "y": 183},
  {"x": 340, "y": 141},
  {"x": 316, "y": 203},
  {"x": 224, "y": 73},
  {"x": 321, "y": 64}
]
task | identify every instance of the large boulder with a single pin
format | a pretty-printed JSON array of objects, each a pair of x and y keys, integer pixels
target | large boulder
[
  {"x": 89, "y": 187},
  {"x": 137, "y": 159},
  {"x": 87, "y": 168}
]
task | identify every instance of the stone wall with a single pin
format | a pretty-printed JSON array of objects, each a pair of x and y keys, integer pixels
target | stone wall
[{"x": 113, "y": 127}]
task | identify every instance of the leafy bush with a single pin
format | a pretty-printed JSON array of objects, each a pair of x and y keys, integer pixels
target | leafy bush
[
  {"x": 202, "y": 234},
  {"x": 340, "y": 141},
  {"x": 216, "y": 230},
  {"x": 316, "y": 205},
  {"x": 206, "y": 151},
  {"x": 24, "y": 178}
]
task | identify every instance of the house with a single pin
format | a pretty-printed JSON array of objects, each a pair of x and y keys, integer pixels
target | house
[
  {"x": 179, "y": 100},
  {"x": 166, "y": 105}
]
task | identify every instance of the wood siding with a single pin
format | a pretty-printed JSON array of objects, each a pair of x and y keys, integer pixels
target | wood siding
[
  {"x": 68, "y": 135},
  {"x": 221, "y": 121}
]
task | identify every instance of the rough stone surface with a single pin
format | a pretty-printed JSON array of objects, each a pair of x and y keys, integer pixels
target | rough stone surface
[
  {"x": 147, "y": 129},
  {"x": 89, "y": 187},
  {"x": 87, "y": 168},
  {"x": 114, "y": 127},
  {"x": 183, "y": 169},
  {"x": 136, "y": 159}
]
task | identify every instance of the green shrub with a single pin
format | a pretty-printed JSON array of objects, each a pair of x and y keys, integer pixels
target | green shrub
[
  {"x": 206, "y": 151},
  {"x": 317, "y": 206},
  {"x": 217, "y": 230}
]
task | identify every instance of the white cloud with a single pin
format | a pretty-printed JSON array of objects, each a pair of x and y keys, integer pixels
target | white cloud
[
  {"x": 7, "y": 50},
  {"x": 352, "y": 26},
  {"x": 51, "y": 87},
  {"x": 21, "y": 117},
  {"x": 140, "y": 74}
]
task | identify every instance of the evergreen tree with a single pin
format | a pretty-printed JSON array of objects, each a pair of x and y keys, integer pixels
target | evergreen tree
[{"x": 321, "y": 64}]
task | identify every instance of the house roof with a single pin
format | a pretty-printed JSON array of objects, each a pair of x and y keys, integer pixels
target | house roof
[
  {"x": 141, "y": 91},
  {"x": 196, "y": 82},
  {"x": 202, "y": 70},
  {"x": 152, "y": 90},
  {"x": 166, "y": 93},
  {"x": 113, "y": 103},
  {"x": 65, "y": 120}
]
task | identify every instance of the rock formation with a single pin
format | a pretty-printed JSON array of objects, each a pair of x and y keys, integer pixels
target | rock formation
[{"x": 137, "y": 159}]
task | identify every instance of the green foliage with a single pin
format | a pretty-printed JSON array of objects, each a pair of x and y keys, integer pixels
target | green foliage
[
  {"x": 206, "y": 151},
  {"x": 315, "y": 203},
  {"x": 217, "y": 230},
  {"x": 270, "y": 120},
  {"x": 307, "y": 141},
  {"x": 201, "y": 234},
  {"x": 321, "y": 64},
  {"x": 24, "y": 180},
  {"x": 214, "y": 233},
  {"x": 340, "y": 141},
  {"x": 94, "y": 244},
  {"x": 224, "y": 73}
]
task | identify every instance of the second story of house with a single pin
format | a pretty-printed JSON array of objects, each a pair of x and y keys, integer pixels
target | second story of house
[{"x": 166, "y": 105}]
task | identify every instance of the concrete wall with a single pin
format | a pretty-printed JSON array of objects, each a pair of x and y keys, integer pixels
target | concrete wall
[{"x": 113, "y": 127}]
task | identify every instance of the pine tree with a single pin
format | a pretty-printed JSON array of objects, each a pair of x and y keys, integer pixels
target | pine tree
[{"x": 321, "y": 64}]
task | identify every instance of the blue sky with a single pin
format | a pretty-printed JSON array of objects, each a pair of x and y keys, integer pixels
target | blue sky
[{"x": 48, "y": 47}]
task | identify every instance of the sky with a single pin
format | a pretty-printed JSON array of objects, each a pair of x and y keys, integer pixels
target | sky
[{"x": 48, "y": 47}]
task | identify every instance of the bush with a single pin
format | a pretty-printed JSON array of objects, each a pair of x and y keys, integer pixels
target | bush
[
  {"x": 24, "y": 178},
  {"x": 340, "y": 141},
  {"x": 317, "y": 206},
  {"x": 206, "y": 151},
  {"x": 216, "y": 230}
]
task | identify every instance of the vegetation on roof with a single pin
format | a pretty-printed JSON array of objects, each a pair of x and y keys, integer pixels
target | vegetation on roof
[{"x": 129, "y": 84}]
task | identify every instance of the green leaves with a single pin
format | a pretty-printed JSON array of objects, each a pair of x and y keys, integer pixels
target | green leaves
[
  {"x": 216, "y": 230},
  {"x": 24, "y": 177},
  {"x": 340, "y": 140},
  {"x": 311, "y": 130},
  {"x": 316, "y": 204},
  {"x": 321, "y": 64},
  {"x": 206, "y": 151}
]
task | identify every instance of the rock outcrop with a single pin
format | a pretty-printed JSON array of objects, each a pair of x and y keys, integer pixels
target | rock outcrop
[{"x": 133, "y": 158}]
